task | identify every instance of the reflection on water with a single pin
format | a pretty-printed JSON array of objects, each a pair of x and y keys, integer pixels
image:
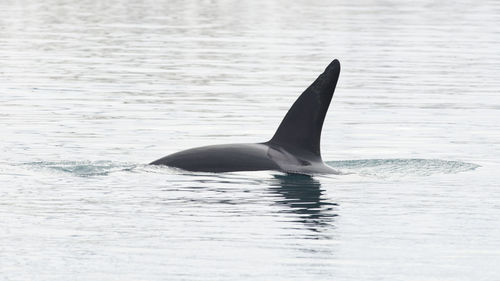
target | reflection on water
[{"x": 304, "y": 197}]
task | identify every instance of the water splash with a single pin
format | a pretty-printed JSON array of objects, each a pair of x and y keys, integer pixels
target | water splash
[{"x": 401, "y": 167}]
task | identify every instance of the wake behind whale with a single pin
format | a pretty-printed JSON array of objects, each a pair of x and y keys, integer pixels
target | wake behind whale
[{"x": 367, "y": 168}]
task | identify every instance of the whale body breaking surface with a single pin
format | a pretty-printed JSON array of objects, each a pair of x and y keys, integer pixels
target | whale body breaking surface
[{"x": 294, "y": 148}]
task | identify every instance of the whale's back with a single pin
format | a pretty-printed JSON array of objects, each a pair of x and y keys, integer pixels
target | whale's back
[{"x": 221, "y": 158}]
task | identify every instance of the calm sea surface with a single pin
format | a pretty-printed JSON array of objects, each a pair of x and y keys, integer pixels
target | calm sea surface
[{"x": 91, "y": 91}]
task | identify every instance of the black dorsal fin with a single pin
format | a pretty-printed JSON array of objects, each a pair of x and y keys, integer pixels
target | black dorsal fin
[{"x": 301, "y": 127}]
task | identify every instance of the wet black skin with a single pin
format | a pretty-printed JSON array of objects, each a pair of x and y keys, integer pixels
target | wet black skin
[{"x": 294, "y": 148}]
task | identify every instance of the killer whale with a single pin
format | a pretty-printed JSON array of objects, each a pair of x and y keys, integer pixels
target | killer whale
[{"x": 294, "y": 148}]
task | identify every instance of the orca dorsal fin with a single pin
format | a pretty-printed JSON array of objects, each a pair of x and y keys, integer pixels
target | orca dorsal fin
[{"x": 301, "y": 128}]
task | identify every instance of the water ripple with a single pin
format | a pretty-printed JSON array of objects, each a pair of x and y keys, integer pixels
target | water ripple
[
  {"x": 401, "y": 167},
  {"x": 83, "y": 168}
]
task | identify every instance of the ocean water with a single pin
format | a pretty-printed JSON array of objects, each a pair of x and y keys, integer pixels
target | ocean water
[{"x": 91, "y": 91}]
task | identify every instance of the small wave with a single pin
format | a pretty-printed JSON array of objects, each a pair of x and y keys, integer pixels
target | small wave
[
  {"x": 363, "y": 167},
  {"x": 401, "y": 167},
  {"x": 84, "y": 168}
]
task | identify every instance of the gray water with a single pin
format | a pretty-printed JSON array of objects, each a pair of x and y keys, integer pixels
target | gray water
[{"x": 91, "y": 91}]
